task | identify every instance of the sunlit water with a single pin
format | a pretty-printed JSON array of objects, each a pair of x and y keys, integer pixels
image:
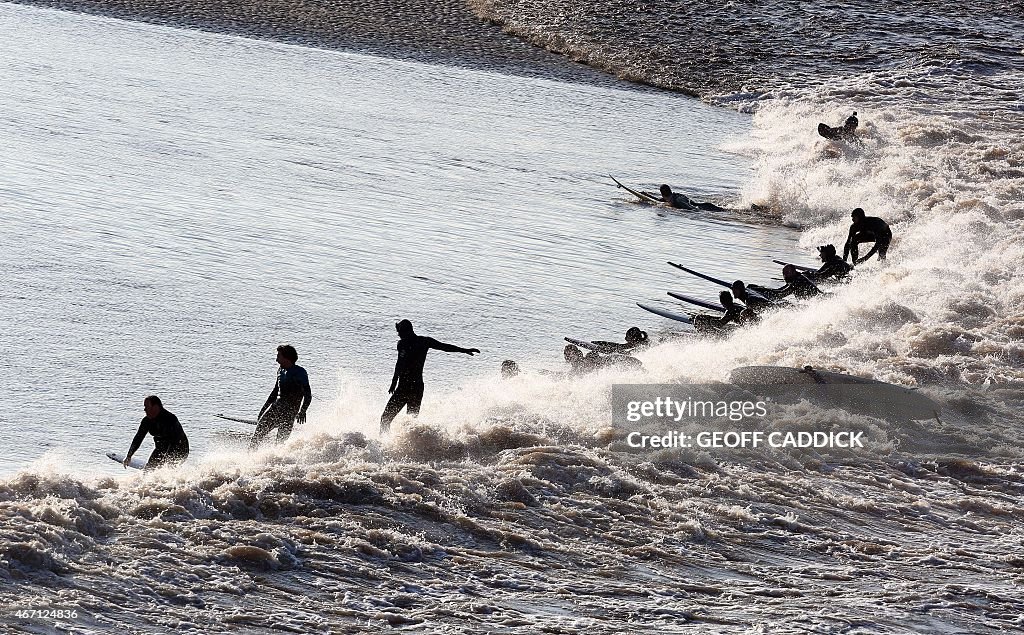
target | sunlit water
[{"x": 177, "y": 204}]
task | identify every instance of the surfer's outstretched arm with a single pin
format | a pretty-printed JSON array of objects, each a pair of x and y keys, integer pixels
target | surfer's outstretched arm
[{"x": 450, "y": 348}]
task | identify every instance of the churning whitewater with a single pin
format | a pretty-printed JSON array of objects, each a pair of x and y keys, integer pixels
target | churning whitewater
[{"x": 513, "y": 505}]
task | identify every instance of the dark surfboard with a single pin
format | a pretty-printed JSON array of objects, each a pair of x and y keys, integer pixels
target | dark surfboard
[{"x": 640, "y": 195}]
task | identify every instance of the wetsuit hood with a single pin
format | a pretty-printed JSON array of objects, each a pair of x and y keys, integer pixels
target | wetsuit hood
[{"x": 404, "y": 329}]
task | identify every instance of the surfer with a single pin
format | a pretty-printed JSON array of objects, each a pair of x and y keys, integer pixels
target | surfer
[
  {"x": 797, "y": 285},
  {"x": 832, "y": 265},
  {"x": 846, "y": 132},
  {"x": 580, "y": 364},
  {"x": 850, "y": 127},
  {"x": 168, "y": 435},
  {"x": 509, "y": 369},
  {"x": 681, "y": 201},
  {"x": 288, "y": 401},
  {"x": 734, "y": 315},
  {"x": 755, "y": 303},
  {"x": 635, "y": 338},
  {"x": 866, "y": 229},
  {"x": 407, "y": 383}
]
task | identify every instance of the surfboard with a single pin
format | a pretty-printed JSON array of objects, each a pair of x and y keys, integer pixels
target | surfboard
[
  {"x": 828, "y": 131},
  {"x": 837, "y": 133},
  {"x": 695, "y": 301},
  {"x": 800, "y": 267},
  {"x": 666, "y": 314},
  {"x": 727, "y": 285},
  {"x": 864, "y": 396},
  {"x": 251, "y": 422},
  {"x": 135, "y": 463},
  {"x": 587, "y": 345},
  {"x": 640, "y": 195}
]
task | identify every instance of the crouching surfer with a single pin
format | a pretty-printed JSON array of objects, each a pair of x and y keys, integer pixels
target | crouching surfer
[
  {"x": 867, "y": 229},
  {"x": 168, "y": 435}
]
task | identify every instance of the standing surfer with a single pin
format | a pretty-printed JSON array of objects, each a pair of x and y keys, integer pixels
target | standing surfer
[
  {"x": 407, "y": 383},
  {"x": 168, "y": 436},
  {"x": 288, "y": 401},
  {"x": 866, "y": 229}
]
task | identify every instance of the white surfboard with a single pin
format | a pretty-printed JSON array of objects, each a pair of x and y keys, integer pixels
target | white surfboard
[{"x": 135, "y": 463}]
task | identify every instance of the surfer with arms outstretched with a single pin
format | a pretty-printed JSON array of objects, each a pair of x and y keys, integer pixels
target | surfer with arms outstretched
[{"x": 407, "y": 383}]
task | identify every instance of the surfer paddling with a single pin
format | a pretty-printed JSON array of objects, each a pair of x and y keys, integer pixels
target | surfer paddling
[
  {"x": 407, "y": 383},
  {"x": 797, "y": 284},
  {"x": 168, "y": 435},
  {"x": 580, "y": 364},
  {"x": 681, "y": 201},
  {"x": 288, "y": 401},
  {"x": 735, "y": 315},
  {"x": 867, "y": 229},
  {"x": 832, "y": 265}
]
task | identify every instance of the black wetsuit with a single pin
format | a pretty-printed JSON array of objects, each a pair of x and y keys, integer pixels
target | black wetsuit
[
  {"x": 169, "y": 437},
  {"x": 734, "y": 314},
  {"x": 594, "y": 361},
  {"x": 408, "y": 393},
  {"x": 291, "y": 396},
  {"x": 871, "y": 229},
  {"x": 801, "y": 288},
  {"x": 755, "y": 303},
  {"x": 834, "y": 267}
]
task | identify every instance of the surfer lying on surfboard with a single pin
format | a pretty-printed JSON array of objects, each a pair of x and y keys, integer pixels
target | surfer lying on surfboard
[
  {"x": 797, "y": 285},
  {"x": 735, "y": 315},
  {"x": 580, "y": 364},
  {"x": 682, "y": 201}
]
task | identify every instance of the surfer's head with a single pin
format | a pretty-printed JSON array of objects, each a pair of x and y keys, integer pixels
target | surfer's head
[
  {"x": 789, "y": 273},
  {"x": 287, "y": 355},
  {"x": 665, "y": 190},
  {"x": 509, "y": 369},
  {"x": 725, "y": 298},
  {"x": 827, "y": 252},
  {"x": 739, "y": 289},
  {"x": 572, "y": 354},
  {"x": 857, "y": 214},
  {"x": 152, "y": 406},
  {"x": 404, "y": 329},
  {"x": 634, "y": 335}
]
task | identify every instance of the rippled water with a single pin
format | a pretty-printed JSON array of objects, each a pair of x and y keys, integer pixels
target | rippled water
[
  {"x": 189, "y": 201},
  {"x": 180, "y": 203}
]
